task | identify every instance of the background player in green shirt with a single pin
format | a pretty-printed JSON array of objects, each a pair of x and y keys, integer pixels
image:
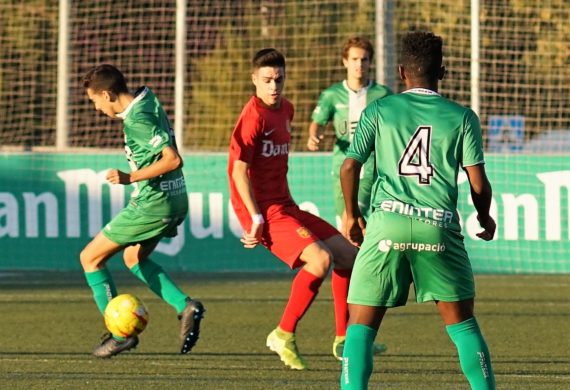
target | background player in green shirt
[
  {"x": 158, "y": 205},
  {"x": 413, "y": 235},
  {"x": 342, "y": 103}
]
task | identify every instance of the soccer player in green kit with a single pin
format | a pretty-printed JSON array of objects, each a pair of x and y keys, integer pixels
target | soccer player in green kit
[
  {"x": 413, "y": 235},
  {"x": 342, "y": 103},
  {"x": 158, "y": 205}
]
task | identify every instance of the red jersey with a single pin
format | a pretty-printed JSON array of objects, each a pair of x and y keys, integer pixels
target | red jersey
[{"x": 261, "y": 138}]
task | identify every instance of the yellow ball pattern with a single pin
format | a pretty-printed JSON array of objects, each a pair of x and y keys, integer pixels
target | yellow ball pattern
[{"x": 126, "y": 315}]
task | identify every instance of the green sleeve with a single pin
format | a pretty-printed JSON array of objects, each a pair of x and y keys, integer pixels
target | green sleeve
[
  {"x": 149, "y": 134},
  {"x": 364, "y": 136},
  {"x": 324, "y": 110},
  {"x": 472, "y": 141}
]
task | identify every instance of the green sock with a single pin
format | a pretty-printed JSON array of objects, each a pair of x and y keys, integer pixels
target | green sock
[
  {"x": 473, "y": 353},
  {"x": 160, "y": 283},
  {"x": 357, "y": 357},
  {"x": 103, "y": 287}
]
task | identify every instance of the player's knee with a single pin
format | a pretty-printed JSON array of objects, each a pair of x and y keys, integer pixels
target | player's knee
[
  {"x": 321, "y": 263},
  {"x": 84, "y": 259},
  {"x": 345, "y": 258},
  {"x": 130, "y": 260},
  {"x": 87, "y": 260}
]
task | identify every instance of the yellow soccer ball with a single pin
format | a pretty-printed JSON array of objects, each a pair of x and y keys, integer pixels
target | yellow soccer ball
[{"x": 126, "y": 315}]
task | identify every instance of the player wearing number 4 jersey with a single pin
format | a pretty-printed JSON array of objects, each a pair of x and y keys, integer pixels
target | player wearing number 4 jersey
[
  {"x": 257, "y": 169},
  {"x": 158, "y": 205},
  {"x": 421, "y": 140}
]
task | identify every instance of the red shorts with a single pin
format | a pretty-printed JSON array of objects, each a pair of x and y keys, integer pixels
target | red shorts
[{"x": 289, "y": 230}]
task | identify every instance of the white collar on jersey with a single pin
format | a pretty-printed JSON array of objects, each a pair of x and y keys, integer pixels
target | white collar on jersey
[
  {"x": 361, "y": 90},
  {"x": 137, "y": 99},
  {"x": 421, "y": 91}
]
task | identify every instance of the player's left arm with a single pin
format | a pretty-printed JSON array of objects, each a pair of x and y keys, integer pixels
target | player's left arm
[
  {"x": 168, "y": 162},
  {"x": 474, "y": 165},
  {"x": 481, "y": 193},
  {"x": 157, "y": 140}
]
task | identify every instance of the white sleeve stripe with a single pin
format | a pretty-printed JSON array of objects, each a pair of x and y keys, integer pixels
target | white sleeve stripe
[{"x": 475, "y": 163}]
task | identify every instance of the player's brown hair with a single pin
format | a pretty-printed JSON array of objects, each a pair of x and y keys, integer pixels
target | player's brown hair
[
  {"x": 421, "y": 54},
  {"x": 268, "y": 57},
  {"x": 105, "y": 78},
  {"x": 361, "y": 43}
]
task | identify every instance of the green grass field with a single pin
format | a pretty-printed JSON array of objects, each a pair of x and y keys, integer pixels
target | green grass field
[{"x": 49, "y": 324}]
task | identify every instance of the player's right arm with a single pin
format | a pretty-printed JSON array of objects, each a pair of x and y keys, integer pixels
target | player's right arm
[
  {"x": 353, "y": 221},
  {"x": 357, "y": 154},
  {"x": 315, "y": 137},
  {"x": 241, "y": 180},
  {"x": 244, "y": 140},
  {"x": 321, "y": 115}
]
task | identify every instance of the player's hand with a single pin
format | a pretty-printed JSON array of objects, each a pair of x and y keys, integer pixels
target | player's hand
[
  {"x": 313, "y": 142},
  {"x": 489, "y": 225},
  {"x": 355, "y": 230},
  {"x": 253, "y": 237},
  {"x": 114, "y": 176}
]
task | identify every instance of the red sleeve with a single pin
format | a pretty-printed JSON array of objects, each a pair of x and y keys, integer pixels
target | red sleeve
[{"x": 245, "y": 135}]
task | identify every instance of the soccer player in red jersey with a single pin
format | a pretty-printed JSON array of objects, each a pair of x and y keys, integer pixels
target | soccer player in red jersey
[{"x": 259, "y": 191}]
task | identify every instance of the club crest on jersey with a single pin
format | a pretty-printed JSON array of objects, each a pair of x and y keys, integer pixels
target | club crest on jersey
[
  {"x": 288, "y": 126},
  {"x": 269, "y": 149},
  {"x": 303, "y": 232}
]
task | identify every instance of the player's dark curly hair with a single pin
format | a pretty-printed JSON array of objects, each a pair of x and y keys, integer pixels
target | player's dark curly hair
[
  {"x": 105, "y": 78},
  {"x": 268, "y": 57},
  {"x": 421, "y": 54}
]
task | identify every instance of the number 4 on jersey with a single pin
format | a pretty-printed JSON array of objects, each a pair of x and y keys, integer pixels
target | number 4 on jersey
[{"x": 415, "y": 159}]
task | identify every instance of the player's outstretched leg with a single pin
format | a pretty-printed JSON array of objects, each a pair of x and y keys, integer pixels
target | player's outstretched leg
[
  {"x": 285, "y": 345},
  {"x": 190, "y": 319},
  {"x": 190, "y": 312},
  {"x": 282, "y": 340},
  {"x": 111, "y": 345}
]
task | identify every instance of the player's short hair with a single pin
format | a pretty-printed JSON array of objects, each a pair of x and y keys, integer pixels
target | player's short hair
[
  {"x": 268, "y": 57},
  {"x": 359, "y": 42},
  {"x": 421, "y": 54},
  {"x": 105, "y": 78}
]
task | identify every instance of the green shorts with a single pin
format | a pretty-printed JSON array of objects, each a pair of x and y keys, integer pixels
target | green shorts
[
  {"x": 131, "y": 226},
  {"x": 364, "y": 191},
  {"x": 399, "y": 250}
]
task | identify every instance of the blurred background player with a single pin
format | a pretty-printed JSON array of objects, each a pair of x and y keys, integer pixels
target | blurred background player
[
  {"x": 342, "y": 103},
  {"x": 258, "y": 164},
  {"x": 413, "y": 236},
  {"x": 158, "y": 205}
]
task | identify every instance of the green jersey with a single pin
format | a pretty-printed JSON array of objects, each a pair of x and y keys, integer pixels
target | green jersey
[
  {"x": 343, "y": 106},
  {"x": 421, "y": 141},
  {"x": 147, "y": 132}
]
